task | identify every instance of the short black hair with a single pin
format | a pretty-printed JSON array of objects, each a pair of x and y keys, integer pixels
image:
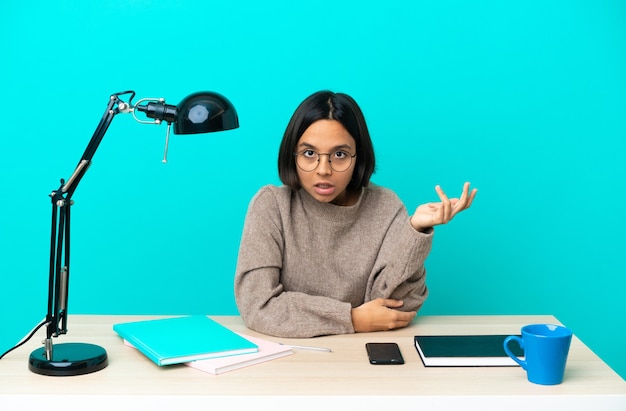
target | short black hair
[{"x": 327, "y": 105}]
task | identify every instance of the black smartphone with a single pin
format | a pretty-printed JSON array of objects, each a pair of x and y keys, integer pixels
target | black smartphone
[{"x": 384, "y": 353}]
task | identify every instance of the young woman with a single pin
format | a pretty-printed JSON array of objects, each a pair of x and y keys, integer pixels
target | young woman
[{"x": 328, "y": 252}]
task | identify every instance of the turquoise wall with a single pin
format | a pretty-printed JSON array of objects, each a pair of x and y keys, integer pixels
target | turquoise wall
[{"x": 525, "y": 99}]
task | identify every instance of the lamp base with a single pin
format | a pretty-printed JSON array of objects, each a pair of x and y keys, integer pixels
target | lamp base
[{"x": 69, "y": 359}]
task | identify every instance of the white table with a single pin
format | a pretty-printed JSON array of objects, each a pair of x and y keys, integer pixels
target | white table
[{"x": 343, "y": 378}]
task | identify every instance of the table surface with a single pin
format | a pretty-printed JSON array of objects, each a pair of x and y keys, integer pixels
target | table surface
[{"x": 343, "y": 372}]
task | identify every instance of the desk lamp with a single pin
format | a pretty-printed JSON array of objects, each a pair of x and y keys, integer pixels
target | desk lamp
[{"x": 201, "y": 112}]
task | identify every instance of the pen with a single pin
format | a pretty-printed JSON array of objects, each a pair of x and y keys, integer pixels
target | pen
[{"x": 306, "y": 347}]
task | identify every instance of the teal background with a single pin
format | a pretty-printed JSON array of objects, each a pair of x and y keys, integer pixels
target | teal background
[{"x": 525, "y": 99}]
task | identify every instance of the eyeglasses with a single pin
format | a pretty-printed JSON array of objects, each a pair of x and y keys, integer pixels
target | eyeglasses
[{"x": 309, "y": 160}]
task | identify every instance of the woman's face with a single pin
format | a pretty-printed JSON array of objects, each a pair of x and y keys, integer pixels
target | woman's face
[{"x": 323, "y": 183}]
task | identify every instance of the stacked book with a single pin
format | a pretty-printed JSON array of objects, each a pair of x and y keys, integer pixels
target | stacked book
[{"x": 199, "y": 342}]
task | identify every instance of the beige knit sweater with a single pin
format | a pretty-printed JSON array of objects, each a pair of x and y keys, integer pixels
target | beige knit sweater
[{"x": 303, "y": 265}]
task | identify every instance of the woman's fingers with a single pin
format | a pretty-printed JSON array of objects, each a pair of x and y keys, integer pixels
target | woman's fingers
[
  {"x": 446, "y": 208},
  {"x": 450, "y": 207}
]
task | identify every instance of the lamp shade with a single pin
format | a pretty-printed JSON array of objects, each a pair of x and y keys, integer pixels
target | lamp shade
[{"x": 205, "y": 112}]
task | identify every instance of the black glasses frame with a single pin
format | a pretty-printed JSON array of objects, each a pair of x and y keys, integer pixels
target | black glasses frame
[{"x": 330, "y": 162}]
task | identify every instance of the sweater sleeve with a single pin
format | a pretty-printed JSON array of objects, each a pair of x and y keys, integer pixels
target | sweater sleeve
[
  {"x": 263, "y": 303},
  {"x": 400, "y": 272}
]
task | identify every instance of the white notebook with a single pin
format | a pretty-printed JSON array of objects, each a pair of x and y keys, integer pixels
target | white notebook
[{"x": 268, "y": 350}]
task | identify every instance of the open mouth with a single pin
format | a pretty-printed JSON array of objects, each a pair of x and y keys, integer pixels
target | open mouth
[{"x": 324, "y": 189}]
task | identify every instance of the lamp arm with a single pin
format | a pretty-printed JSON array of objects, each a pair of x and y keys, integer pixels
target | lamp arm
[
  {"x": 56, "y": 317},
  {"x": 115, "y": 106}
]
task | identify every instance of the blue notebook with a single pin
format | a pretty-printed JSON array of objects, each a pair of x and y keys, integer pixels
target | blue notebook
[
  {"x": 465, "y": 350},
  {"x": 183, "y": 339}
]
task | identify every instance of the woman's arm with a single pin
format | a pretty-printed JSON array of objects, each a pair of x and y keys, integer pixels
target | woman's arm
[
  {"x": 397, "y": 290},
  {"x": 400, "y": 272},
  {"x": 262, "y": 301}
]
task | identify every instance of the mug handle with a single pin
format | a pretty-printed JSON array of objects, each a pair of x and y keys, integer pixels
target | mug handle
[{"x": 508, "y": 351}]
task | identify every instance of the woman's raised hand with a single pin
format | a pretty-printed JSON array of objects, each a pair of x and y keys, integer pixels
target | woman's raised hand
[{"x": 431, "y": 214}]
